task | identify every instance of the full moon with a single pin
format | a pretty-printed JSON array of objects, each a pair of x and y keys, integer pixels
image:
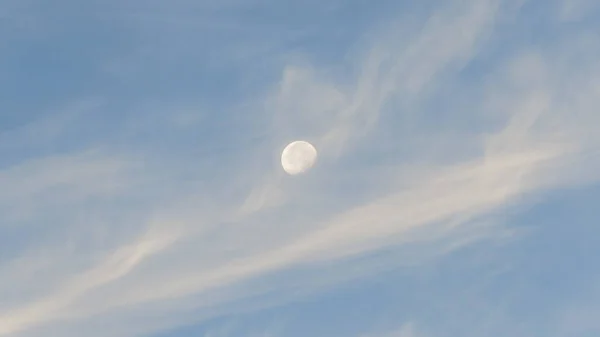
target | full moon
[{"x": 298, "y": 157}]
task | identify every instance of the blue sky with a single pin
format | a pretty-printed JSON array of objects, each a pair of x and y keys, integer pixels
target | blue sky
[{"x": 455, "y": 194}]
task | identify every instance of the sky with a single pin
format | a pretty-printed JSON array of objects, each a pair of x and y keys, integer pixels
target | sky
[{"x": 455, "y": 194}]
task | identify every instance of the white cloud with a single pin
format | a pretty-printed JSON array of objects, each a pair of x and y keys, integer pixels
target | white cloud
[
  {"x": 205, "y": 242},
  {"x": 405, "y": 330}
]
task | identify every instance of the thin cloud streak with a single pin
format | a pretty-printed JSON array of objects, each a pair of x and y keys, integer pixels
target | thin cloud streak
[{"x": 200, "y": 251}]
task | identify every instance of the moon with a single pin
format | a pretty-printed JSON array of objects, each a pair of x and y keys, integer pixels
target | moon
[{"x": 298, "y": 157}]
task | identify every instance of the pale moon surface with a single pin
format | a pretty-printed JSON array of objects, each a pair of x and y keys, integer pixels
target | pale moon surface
[{"x": 298, "y": 157}]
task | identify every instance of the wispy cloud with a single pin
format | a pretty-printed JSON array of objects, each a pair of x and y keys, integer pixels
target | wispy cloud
[
  {"x": 124, "y": 231},
  {"x": 406, "y": 330}
]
